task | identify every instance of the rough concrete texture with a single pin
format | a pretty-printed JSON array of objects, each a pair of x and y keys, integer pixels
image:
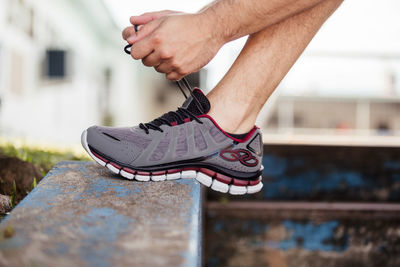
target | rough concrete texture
[
  {"x": 82, "y": 215},
  {"x": 275, "y": 239}
]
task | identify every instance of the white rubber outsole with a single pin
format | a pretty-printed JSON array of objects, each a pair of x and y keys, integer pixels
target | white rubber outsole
[{"x": 202, "y": 178}]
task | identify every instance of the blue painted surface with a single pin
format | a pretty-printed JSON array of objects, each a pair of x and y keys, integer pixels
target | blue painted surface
[
  {"x": 276, "y": 171},
  {"x": 98, "y": 209},
  {"x": 101, "y": 225},
  {"x": 392, "y": 164},
  {"x": 311, "y": 236},
  {"x": 308, "y": 236},
  {"x": 308, "y": 181},
  {"x": 332, "y": 173}
]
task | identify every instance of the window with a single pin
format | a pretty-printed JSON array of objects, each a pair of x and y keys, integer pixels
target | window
[{"x": 55, "y": 64}]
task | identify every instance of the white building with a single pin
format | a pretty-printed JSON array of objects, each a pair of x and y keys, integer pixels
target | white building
[{"x": 62, "y": 69}]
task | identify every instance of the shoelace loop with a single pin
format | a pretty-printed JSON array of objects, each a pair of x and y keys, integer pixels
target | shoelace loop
[{"x": 179, "y": 114}]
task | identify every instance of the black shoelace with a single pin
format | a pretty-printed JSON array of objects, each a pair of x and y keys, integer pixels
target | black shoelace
[{"x": 180, "y": 114}]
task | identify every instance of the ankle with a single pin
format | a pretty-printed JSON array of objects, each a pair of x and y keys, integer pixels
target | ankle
[
  {"x": 234, "y": 112},
  {"x": 234, "y": 122}
]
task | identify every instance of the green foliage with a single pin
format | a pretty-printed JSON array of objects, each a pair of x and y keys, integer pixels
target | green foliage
[
  {"x": 14, "y": 194},
  {"x": 34, "y": 183}
]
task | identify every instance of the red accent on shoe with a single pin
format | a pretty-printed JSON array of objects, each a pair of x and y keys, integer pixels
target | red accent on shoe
[
  {"x": 255, "y": 182},
  {"x": 240, "y": 182},
  {"x": 198, "y": 89},
  {"x": 158, "y": 173},
  {"x": 223, "y": 179},
  {"x": 173, "y": 171},
  {"x": 207, "y": 172},
  {"x": 186, "y": 120},
  {"x": 115, "y": 165},
  {"x": 246, "y": 138},
  {"x": 143, "y": 173},
  {"x": 129, "y": 170},
  {"x": 99, "y": 157},
  {"x": 174, "y": 123}
]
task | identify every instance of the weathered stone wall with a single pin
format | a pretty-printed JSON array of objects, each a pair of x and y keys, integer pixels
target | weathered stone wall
[{"x": 82, "y": 215}]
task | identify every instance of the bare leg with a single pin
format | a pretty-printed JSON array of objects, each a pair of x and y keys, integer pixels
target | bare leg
[{"x": 265, "y": 59}]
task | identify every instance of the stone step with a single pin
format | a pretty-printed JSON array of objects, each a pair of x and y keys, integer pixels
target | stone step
[{"x": 82, "y": 215}]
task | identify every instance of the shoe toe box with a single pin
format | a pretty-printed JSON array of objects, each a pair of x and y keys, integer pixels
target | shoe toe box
[{"x": 104, "y": 141}]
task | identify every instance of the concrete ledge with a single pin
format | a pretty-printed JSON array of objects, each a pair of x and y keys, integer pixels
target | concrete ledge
[{"x": 82, "y": 215}]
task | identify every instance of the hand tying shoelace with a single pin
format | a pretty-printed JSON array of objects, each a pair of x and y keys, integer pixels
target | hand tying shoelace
[{"x": 173, "y": 116}]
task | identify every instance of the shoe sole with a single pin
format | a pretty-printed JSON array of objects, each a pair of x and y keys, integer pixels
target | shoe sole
[{"x": 214, "y": 180}]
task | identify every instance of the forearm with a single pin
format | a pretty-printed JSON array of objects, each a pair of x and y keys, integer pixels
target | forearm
[{"x": 232, "y": 19}]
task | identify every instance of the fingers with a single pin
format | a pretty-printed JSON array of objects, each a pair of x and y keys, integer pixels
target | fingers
[
  {"x": 127, "y": 32},
  {"x": 174, "y": 76},
  {"x": 151, "y": 60},
  {"x": 164, "y": 67},
  {"x": 139, "y": 20},
  {"x": 145, "y": 41},
  {"x": 150, "y": 16},
  {"x": 144, "y": 31},
  {"x": 172, "y": 70},
  {"x": 141, "y": 49}
]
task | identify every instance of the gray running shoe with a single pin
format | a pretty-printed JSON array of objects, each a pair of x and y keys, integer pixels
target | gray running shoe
[{"x": 186, "y": 143}]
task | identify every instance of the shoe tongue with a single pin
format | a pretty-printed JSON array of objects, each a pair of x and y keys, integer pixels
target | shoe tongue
[{"x": 192, "y": 105}]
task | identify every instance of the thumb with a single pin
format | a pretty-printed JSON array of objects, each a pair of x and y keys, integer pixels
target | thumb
[{"x": 144, "y": 30}]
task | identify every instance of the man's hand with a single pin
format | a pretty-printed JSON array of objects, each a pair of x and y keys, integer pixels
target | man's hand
[
  {"x": 179, "y": 44},
  {"x": 173, "y": 43}
]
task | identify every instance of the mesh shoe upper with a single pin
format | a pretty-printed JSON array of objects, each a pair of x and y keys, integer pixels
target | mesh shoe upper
[{"x": 197, "y": 140}]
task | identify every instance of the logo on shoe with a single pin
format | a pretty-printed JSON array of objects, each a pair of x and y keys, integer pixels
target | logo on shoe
[{"x": 242, "y": 155}]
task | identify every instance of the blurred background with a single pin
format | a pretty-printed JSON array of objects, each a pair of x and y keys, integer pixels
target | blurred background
[
  {"x": 62, "y": 69},
  {"x": 331, "y": 129}
]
